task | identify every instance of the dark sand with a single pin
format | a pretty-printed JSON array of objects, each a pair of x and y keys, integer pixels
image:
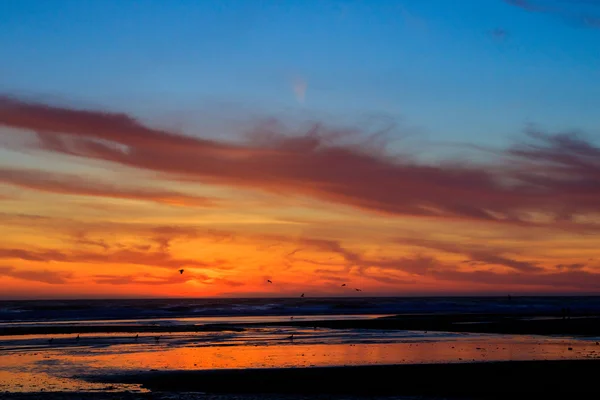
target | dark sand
[
  {"x": 515, "y": 379},
  {"x": 473, "y": 323}
]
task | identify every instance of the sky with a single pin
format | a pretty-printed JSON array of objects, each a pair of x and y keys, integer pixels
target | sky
[{"x": 406, "y": 148}]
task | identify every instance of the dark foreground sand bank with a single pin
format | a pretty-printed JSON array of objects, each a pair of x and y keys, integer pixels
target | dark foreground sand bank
[
  {"x": 183, "y": 396},
  {"x": 588, "y": 325},
  {"x": 524, "y": 379}
]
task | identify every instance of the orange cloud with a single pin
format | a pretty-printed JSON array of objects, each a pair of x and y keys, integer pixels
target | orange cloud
[
  {"x": 134, "y": 256},
  {"x": 345, "y": 207},
  {"x": 44, "y": 276}
]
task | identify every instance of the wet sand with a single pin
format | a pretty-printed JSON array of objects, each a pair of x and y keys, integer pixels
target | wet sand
[
  {"x": 59, "y": 367},
  {"x": 517, "y": 379},
  {"x": 477, "y": 355},
  {"x": 498, "y": 380}
]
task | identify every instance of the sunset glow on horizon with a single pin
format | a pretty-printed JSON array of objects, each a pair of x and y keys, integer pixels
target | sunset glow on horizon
[{"x": 105, "y": 197}]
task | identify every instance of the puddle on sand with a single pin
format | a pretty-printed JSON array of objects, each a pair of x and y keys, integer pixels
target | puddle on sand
[{"x": 52, "y": 369}]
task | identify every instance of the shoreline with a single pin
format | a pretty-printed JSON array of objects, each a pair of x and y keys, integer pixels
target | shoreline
[
  {"x": 525, "y": 324},
  {"x": 465, "y": 323}
]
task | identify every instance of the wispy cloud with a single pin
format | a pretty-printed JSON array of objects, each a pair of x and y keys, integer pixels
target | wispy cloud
[
  {"x": 545, "y": 180},
  {"x": 570, "y": 10},
  {"x": 575, "y": 280},
  {"x": 499, "y": 34},
  {"x": 129, "y": 255},
  {"x": 300, "y": 85},
  {"x": 527, "y": 5},
  {"x": 60, "y": 183},
  {"x": 45, "y": 276},
  {"x": 553, "y": 174},
  {"x": 416, "y": 267},
  {"x": 335, "y": 262},
  {"x": 476, "y": 254},
  {"x": 145, "y": 279}
]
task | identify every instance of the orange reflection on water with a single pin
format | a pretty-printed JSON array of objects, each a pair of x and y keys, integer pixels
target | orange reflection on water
[
  {"x": 299, "y": 355},
  {"x": 52, "y": 369}
]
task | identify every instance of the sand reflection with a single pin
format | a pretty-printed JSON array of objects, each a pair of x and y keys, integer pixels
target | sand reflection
[{"x": 28, "y": 367}]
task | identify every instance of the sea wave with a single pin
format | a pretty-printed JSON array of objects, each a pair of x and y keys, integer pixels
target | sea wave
[{"x": 74, "y": 310}]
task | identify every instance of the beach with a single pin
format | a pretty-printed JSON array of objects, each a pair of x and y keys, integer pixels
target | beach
[{"x": 442, "y": 352}]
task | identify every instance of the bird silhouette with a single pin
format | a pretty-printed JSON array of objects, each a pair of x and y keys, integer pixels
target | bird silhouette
[
  {"x": 291, "y": 337},
  {"x": 343, "y": 284},
  {"x": 358, "y": 290},
  {"x": 269, "y": 281},
  {"x": 77, "y": 338},
  {"x": 137, "y": 336},
  {"x": 157, "y": 338},
  {"x": 302, "y": 295},
  {"x": 181, "y": 271}
]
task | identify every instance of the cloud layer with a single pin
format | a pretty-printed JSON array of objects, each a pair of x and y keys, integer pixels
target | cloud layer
[
  {"x": 557, "y": 175},
  {"x": 546, "y": 181}
]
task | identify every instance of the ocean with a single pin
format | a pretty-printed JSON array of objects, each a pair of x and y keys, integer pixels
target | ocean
[{"x": 144, "y": 309}]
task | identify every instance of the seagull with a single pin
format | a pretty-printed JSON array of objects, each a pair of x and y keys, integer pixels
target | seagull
[
  {"x": 302, "y": 295},
  {"x": 343, "y": 284},
  {"x": 358, "y": 290},
  {"x": 269, "y": 281},
  {"x": 181, "y": 271}
]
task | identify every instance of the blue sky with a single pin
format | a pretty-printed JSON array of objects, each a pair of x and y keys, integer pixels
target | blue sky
[{"x": 433, "y": 64}]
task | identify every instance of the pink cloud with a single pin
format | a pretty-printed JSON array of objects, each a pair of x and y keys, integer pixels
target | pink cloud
[{"x": 557, "y": 175}]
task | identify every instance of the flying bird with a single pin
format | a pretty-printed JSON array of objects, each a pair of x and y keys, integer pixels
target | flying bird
[
  {"x": 181, "y": 271},
  {"x": 157, "y": 338},
  {"x": 343, "y": 284},
  {"x": 269, "y": 281},
  {"x": 358, "y": 290},
  {"x": 302, "y": 295}
]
